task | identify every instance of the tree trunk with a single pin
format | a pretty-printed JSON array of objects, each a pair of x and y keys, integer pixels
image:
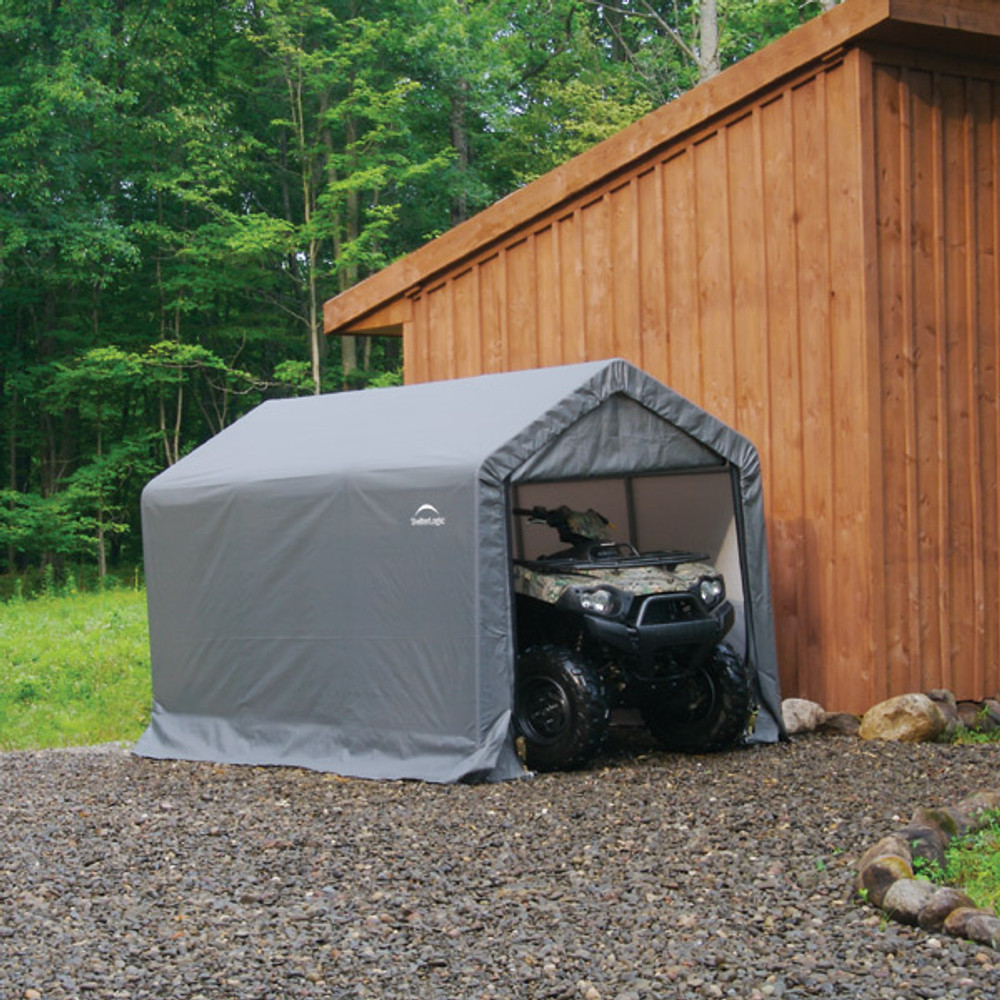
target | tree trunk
[
  {"x": 315, "y": 316},
  {"x": 349, "y": 274},
  {"x": 102, "y": 555},
  {"x": 708, "y": 31},
  {"x": 12, "y": 459},
  {"x": 615, "y": 18},
  {"x": 460, "y": 143}
]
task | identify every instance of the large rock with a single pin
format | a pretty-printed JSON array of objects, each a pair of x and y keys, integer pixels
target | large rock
[
  {"x": 906, "y": 897},
  {"x": 939, "y": 906},
  {"x": 990, "y": 720},
  {"x": 978, "y": 807},
  {"x": 945, "y": 700},
  {"x": 839, "y": 724},
  {"x": 980, "y": 716},
  {"x": 957, "y": 922},
  {"x": 801, "y": 715},
  {"x": 950, "y": 820},
  {"x": 968, "y": 714},
  {"x": 943, "y": 697},
  {"x": 891, "y": 846},
  {"x": 984, "y": 928},
  {"x": 927, "y": 843},
  {"x": 907, "y": 718},
  {"x": 876, "y": 878}
]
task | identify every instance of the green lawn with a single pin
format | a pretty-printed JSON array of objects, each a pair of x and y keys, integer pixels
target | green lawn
[
  {"x": 74, "y": 670},
  {"x": 974, "y": 864}
]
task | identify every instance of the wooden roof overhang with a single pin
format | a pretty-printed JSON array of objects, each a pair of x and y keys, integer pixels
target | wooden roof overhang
[{"x": 382, "y": 303}]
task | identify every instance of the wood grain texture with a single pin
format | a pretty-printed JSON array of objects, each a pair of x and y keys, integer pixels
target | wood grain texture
[{"x": 937, "y": 165}]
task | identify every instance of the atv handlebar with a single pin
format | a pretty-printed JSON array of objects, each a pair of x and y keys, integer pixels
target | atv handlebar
[
  {"x": 540, "y": 513},
  {"x": 560, "y": 519}
]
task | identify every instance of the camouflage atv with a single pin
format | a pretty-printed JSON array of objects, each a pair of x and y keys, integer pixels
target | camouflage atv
[{"x": 602, "y": 626}]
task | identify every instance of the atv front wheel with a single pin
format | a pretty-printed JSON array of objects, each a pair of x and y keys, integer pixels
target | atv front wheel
[
  {"x": 705, "y": 710},
  {"x": 560, "y": 708}
]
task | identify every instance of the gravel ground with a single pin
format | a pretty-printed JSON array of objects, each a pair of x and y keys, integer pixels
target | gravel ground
[{"x": 649, "y": 875}]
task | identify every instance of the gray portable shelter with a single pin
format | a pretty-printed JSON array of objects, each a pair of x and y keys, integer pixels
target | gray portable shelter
[{"x": 329, "y": 578}]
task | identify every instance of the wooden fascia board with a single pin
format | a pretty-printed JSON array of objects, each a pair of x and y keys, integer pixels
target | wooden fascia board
[
  {"x": 969, "y": 29},
  {"x": 978, "y": 17},
  {"x": 387, "y": 318},
  {"x": 807, "y": 44}
]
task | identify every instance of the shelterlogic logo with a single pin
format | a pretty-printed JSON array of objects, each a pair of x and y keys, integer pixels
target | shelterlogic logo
[{"x": 427, "y": 516}]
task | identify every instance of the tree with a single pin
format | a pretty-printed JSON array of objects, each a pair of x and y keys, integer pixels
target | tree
[
  {"x": 336, "y": 142},
  {"x": 673, "y": 45}
]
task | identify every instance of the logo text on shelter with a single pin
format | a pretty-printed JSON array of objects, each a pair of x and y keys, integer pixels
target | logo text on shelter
[{"x": 427, "y": 516}]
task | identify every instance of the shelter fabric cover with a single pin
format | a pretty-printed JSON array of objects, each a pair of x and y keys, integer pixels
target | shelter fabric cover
[{"x": 329, "y": 577}]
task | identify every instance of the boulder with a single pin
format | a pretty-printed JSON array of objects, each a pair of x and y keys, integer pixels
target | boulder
[
  {"x": 943, "y": 697},
  {"x": 907, "y": 718},
  {"x": 951, "y": 821},
  {"x": 906, "y": 897},
  {"x": 983, "y": 927},
  {"x": 801, "y": 715},
  {"x": 927, "y": 843},
  {"x": 891, "y": 846},
  {"x": 990, "y": 721},
  {"x": 957, "y": 922},
  {"x": 980, "y": 716},
  {"x": 969, "y": 713},
  {"x": 876, "y": 878},
  {"x": 945, "y": 701},
  {"x": 978, "y": 805},
  {"x": 935, "y": 911},
  {"x": 839, "y": 724}
]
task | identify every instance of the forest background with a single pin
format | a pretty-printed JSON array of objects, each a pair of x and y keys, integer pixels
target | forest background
[{"x": 184, "y": 182}]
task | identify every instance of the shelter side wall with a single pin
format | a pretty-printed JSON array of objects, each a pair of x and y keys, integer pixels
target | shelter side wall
[
  {"x": 728, "y": 266},
  {"x": 937, "y": 164}
]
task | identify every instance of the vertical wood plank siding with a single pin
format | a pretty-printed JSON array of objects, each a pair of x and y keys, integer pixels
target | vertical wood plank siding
[
  {"x": 937, "y": 168},
  {"x": 711, "y": 267},
  {"x": 741, "y": 265}
]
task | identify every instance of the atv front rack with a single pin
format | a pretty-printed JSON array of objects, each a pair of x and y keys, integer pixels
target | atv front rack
[{"x": 549, "y": 564}]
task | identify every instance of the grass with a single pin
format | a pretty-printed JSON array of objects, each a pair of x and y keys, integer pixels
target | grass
[
  {"x": 971, "y": 737},
  {"x": 74, "y": 669},
  {"x": 973, "y": 863}
]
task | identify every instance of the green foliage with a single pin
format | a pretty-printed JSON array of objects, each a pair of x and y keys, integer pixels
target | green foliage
[
  {"x": 973, "y": 863},
  {"x": 660, "y": 42},
  {"x": 74, "y": 577},
  {"x": 74, "y": 669},
  {"x": 34, "y": 525},
  {"x": 978, "y": 733},
  {"x": 295, "y": 376},
  {"x": 384, "y": 380},
  {"x": 928, "y": 869},
  {"x": 971, "y": 736}
]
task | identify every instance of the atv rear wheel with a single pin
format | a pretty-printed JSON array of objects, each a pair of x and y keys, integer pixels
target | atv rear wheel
[
  {"x": 706, "y": 710},
  {"x": 560, "y": 708}
]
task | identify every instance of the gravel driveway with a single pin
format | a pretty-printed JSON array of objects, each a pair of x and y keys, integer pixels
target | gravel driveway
[{"x": 648, "y": 875}]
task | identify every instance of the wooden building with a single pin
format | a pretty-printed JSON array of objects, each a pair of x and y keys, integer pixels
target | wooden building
[{"x": 806, "y": 246}]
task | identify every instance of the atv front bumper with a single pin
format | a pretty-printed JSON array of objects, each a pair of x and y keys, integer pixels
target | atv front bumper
[{"x": 644, "y": 639}]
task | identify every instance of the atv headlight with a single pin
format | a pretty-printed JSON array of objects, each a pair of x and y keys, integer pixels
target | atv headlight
[
  {"x": 711, "y": 590},
  {"x": 599, "y": 602}
]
